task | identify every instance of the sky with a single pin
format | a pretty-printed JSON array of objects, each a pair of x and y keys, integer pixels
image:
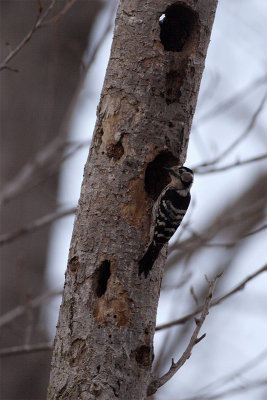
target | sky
[{"x": 236, "y": 58}]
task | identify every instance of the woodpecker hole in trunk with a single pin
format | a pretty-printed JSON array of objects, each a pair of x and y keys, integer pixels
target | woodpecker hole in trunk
[
  {"x": 74, "y": 264},
  {"x": 143, "y": 355},
  {"x": 102, "y": 277},
  {"x": 174, "y": 81},
  {"x": 178, "y": 27},
  {"x": 156, "y": 177},
  {"x": 115, "y": 150}
]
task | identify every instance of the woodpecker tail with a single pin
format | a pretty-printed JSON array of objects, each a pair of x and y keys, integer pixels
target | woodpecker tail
[{"x": 148, "y": 259}]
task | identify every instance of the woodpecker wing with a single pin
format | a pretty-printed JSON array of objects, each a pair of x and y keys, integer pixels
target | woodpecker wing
[
  {"x": 170, "y": 209},
  {"x": 168, "y": 213}
]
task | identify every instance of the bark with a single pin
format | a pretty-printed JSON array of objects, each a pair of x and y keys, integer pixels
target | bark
[
  {"x": 104, "y": 342},
  {"x": 34, "y": 102}
]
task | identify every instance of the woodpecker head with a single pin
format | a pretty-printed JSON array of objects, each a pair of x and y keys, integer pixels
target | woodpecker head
[{"x": 181, "y": 177}]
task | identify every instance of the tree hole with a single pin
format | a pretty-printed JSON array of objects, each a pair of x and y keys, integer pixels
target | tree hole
[
  {"x": 115, "y": 150},
  {"x": 143, "y": 355},
  {"x": 178, "y": 26},
  {"x": 174, "y": 81},
  {"x": 103, "y": 275},
  {"x": 74, "y": 264},
  {"x": 156, "y": 178}
]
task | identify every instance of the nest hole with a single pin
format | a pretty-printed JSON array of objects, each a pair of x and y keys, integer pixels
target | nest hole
[
  {"x": 115, "y": 151},
  {"x": 143, "y": 355},
  {"x": 156, "y": 178},
  {"x": 103, "y": 275},
  {"x": 178, "y": 25},
  {"x": 74, "y": 264}
]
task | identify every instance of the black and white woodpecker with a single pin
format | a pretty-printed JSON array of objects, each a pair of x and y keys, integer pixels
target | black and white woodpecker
[{"x": 168, "y": 212}]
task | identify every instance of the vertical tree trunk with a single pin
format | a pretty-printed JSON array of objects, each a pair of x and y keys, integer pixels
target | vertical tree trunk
[{"x": 104, "y": 342}]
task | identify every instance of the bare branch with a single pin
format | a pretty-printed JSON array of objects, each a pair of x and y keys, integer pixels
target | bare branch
[
  {"x": 247, "y": 212},
  {"x": 236, "y": 142},
  {"x": 27, "y": 173},
  {"x": 194, "y": 296},
  {"x": 238, "y": 389},
  {"x": 20, "y": 310},
  {"x": 51, "y": 154},
  {"x": 215, "y": 385},
  {"x": 231, "y": 244},
  {"x": 230, "y": 166},
  {"x": 231, "y": 101},
  {"x": 157, "y": 383},
  {"x": 261, "y": 228},
  {"x": 214, "y": 302},
  {"x": 38, "y": 23},
  {"x": 76, "y": 147},
  {"x": 60, "y": 14},
  {"x": 26, "y": 348},
  {"x": 37, "y": 170},
  {"x": 35, "y": 225}
]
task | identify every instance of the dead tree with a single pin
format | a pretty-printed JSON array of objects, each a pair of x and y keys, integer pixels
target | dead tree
[{"x": 104, "y": 343}]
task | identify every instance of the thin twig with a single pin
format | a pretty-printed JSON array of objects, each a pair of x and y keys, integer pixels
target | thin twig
[
  {"x": 237, "y": 389},
  {"x": 35, "y": 225},
  {"x": 224, "y": 380},
  {"x": 44, "y": 157},
  {"x": 194, "y": 296},
  {"x": 214, "y": 302},
  {"x": 230, "y": 166},
  {"x": 60, "y": 14},
  {"x": 20, "y": 310},
  {"x": 197, "y": 241},
  {"x": 232, "y": 244},
  {"x": 51, "y": 153},
  {"x": 261, "y": 228},
  {"x": 26, "y": 348},
  {"x": 234, "y": 99},
  {"x": 37, "y": 170},
  {"x": 76, "y": 147},
  {"x": 175, "y": 366},
  {"x": 38, "y": 23},
  {"x": 240, "y": 138}
]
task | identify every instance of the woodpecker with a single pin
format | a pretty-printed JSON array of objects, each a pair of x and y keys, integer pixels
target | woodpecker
[{"x": 168, "y": 212}]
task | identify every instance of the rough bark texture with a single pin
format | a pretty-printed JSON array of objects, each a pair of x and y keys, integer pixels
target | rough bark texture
[{"x": 104, "y": 343}]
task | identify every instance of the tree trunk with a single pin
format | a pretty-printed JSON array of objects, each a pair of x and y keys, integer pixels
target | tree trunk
[{"x": 104, "y": 342}]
